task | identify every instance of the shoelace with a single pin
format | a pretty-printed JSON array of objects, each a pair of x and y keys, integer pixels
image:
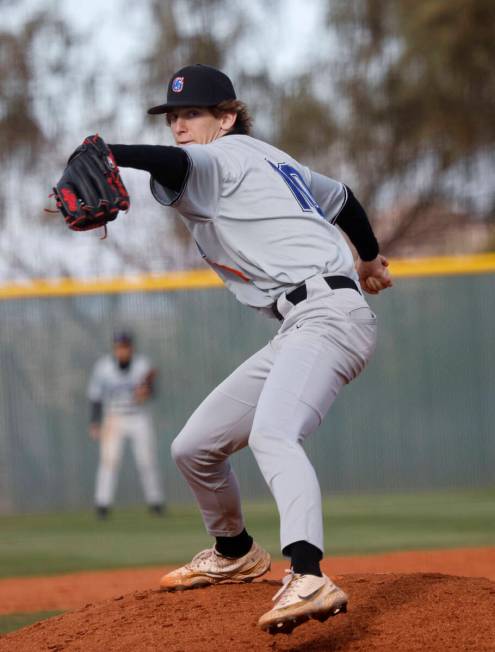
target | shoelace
[
  {"x": 201, "y": 557},
  {"x": 289, "y": 585},
  {"x": 54, "y": 211}
]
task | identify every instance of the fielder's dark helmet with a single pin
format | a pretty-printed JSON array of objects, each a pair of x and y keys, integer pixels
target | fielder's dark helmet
[{"x": 123, "y": 336}]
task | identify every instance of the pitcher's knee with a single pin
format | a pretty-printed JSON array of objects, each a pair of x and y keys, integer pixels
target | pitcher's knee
[
  {"x": 273, "y": 445},
  {"x": 182, "y": 453},
  {"x": 260, "y": 441}
]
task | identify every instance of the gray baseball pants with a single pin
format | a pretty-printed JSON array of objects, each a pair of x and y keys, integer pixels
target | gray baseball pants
[
  {"x": 271, "y": 403},
  {"x": 138, "y": 428}
]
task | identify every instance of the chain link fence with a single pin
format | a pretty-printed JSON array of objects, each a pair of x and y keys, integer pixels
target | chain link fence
[{"x": 420, "y": 417}]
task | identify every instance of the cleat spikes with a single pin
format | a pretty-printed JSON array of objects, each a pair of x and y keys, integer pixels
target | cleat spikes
[
  {"x": 286, "y": 626},
  {"x": 322, "y": 617}
]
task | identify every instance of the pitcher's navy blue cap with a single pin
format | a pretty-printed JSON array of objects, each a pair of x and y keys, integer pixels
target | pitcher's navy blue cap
[
  {"x": 123, "y": 337},
  {"x": 196, "y": 85}
]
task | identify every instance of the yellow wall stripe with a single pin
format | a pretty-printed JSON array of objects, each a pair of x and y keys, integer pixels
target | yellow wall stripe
[
  {"x": 205, "y": 278},
  {"x": 443, "y": 265},
  {"x": 188, "y": 280}
]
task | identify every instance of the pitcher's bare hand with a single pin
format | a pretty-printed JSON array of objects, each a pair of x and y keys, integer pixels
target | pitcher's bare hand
[{"x": 374, "y": 275}]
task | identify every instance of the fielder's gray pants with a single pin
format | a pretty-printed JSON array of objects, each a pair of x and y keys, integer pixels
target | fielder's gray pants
[
  {"x": 272, "y": 402},
  {"x": 138, "y": 428}
]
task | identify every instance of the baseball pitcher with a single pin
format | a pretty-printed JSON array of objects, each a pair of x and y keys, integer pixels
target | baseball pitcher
[
  {"x": 271, "y": 229},
  {"x": 119, "y": 390}
]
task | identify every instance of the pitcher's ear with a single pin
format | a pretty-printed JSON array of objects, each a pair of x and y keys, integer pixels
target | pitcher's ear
[{"x": 227, "y": 120}]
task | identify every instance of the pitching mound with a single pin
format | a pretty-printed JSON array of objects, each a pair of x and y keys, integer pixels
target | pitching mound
[{"x": 399, "y": 613}]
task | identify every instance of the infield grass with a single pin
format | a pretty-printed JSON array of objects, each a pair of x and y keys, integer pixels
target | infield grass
[
  {"x": 44, "y": 544},
  {"x": 11, "y": 622}
]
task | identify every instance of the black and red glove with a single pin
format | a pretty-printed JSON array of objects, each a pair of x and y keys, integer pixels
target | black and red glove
[{"x": 91, "y": 192}]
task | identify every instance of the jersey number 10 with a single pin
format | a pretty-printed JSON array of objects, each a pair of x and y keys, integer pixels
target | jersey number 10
[{"x": 298, "y": 187}]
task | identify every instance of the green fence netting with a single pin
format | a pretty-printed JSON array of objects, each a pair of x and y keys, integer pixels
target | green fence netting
[{"x": 421, "y": 416}]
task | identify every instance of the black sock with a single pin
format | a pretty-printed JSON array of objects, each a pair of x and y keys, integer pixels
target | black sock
[
  {"x": 305, "y": 558},
  {"x": 236, "y": 547}
]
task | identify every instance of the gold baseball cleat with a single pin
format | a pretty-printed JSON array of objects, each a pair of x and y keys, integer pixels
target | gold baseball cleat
[
  {"x": 303, "y": 597},
  {"x": 210, "y": 567}
]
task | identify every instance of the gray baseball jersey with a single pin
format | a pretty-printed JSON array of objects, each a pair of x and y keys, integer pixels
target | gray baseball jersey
[
  {"x": 263, "y": 221},
  {"x": 115, "y": 387},
  {"x": 266, "y": 224}
]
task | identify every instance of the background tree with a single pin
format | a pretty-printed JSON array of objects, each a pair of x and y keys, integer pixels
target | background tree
[
  {"x": 395, "y": 98},
  {"x": 418, "y": 91}
]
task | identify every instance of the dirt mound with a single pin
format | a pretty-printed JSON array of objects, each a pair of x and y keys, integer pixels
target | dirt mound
[
  {"x": 390, "y": 612},
  {"x": 73, "y": 590}
]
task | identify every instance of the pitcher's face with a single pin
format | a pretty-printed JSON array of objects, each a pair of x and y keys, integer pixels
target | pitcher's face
[{"x": 198, "y": 125}]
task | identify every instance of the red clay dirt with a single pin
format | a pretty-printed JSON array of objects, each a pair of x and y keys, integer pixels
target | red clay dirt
[
  {"x": 389, "y": 612},
  {"x": 74, "y": 590}
]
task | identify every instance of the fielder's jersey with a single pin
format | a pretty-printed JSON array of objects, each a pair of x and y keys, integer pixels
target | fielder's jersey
[
  {"x": 114, "y": 387},
  {"x": 263, "y": 221}
]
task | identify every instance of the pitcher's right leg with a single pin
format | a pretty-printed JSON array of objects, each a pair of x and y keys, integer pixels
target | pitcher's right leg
[{"x": 219, "y": 427}]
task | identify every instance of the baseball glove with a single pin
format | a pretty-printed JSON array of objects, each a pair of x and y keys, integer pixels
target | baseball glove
[
  {"x": 145, "y": 389},
  {"x": 91, "y": 192}
]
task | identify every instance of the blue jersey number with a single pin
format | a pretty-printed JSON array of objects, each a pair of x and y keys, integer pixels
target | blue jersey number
[{"x": 298, "y": 187}]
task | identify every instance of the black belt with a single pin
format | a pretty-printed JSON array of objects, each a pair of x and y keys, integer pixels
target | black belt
[{"x": 301, "y": 292}]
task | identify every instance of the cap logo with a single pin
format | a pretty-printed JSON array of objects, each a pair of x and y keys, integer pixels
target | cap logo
[{"x": 178, "y": 84}]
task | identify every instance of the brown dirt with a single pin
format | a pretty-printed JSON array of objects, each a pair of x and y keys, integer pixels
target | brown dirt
[
  {"x": 77, "y": 589},
  {"x": 388, "y": 612}
]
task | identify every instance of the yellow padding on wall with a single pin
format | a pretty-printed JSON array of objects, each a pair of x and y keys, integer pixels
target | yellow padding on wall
[
  {"x": 187, "y": 280},
  {"x": 197, "y": 279},
  {"x": 443, "y": 265}
]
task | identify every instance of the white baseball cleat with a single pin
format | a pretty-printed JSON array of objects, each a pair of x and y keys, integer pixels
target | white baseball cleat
[
  {"x": 210, "y": 567},
  {"x": 303, "y": 597}
]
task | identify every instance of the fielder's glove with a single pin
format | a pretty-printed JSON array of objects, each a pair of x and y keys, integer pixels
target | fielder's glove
[
  {"x": 146, "y": 387},
  {"x": 91, "y": 192}
]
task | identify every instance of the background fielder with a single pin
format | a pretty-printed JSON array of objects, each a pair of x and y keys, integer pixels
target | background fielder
[{"x": 119, "y": 391}]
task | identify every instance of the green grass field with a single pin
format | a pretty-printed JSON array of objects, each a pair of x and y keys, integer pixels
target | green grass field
[
  {"x": 11, "y": 622},
  {"x": 45, "y": 544}
]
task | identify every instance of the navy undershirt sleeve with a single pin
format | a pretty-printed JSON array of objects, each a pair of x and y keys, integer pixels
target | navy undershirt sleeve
[
  {"x": 354, "y": 222},
  {"x": 168, "y": 165}
]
